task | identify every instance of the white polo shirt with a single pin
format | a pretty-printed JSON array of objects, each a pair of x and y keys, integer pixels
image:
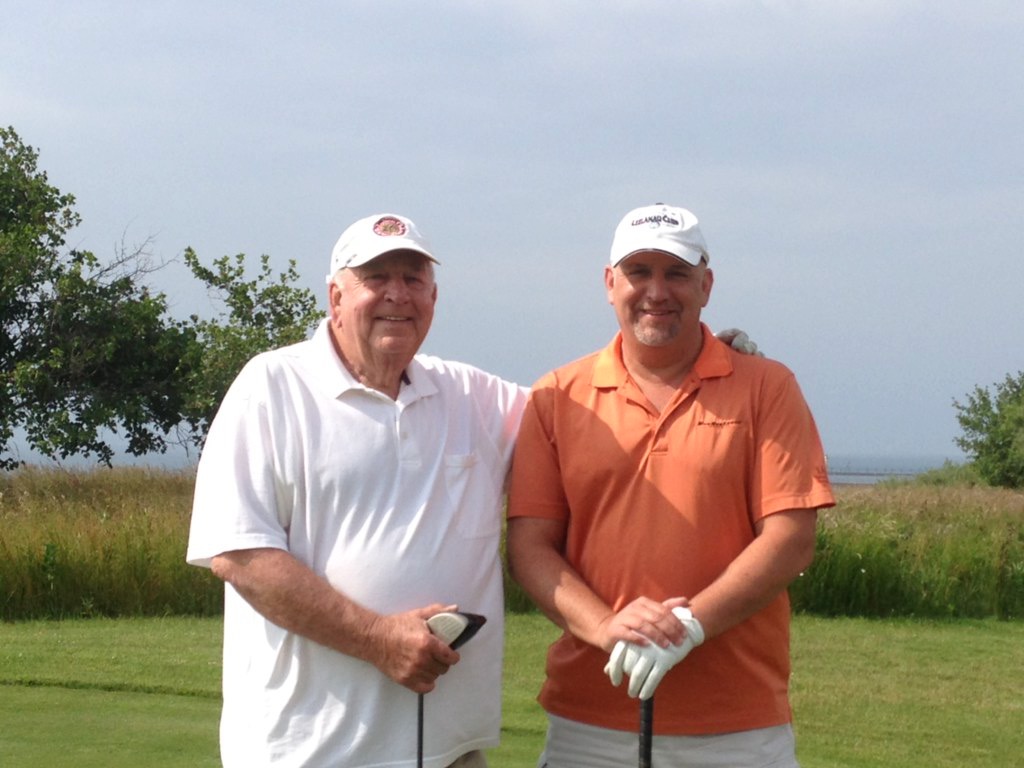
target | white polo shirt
[{"x": 398, "y": 503}]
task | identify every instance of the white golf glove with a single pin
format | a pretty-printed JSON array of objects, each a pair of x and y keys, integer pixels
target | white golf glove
[
  {"x": 646, "y": 665},
  {"x": 739, "y": 340}
]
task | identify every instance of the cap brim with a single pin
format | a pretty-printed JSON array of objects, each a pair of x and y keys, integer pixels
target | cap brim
[
  {"x": 394, "y": 245},
  {"x": 686, "y": 255}
]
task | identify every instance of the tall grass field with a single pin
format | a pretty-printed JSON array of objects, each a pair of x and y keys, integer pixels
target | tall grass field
[
  {"x": 112, "y": 543},
  {"x": 99, "y": 543}
]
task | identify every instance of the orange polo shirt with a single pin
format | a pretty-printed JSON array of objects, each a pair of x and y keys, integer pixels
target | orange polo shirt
[{"x": 658, "y": 504}]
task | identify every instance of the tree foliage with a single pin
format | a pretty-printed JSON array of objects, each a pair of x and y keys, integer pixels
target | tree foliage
[
  {"x": 90, "y": 357},
  {"x": 34, "y": 218},
  {"x": 258, "y": 314},
  {"x": 86, "y": 350},
  {"x": 993, "y": 431}
]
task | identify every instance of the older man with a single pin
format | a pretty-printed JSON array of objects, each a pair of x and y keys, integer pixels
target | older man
[
  {"x": 349, "y": 489},
  {"x": 664, "y": 494}
]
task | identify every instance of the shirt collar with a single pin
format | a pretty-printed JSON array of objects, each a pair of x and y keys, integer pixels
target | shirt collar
[
  {"x": 712, "y": 362},
  {"x": 337, "y": 379}
]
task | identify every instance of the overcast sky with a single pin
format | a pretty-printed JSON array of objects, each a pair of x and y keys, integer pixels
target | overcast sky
[{"x": 857, "y": 167}]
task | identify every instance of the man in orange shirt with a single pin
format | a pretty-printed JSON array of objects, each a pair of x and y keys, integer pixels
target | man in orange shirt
[{"x": 664, "y": 495}]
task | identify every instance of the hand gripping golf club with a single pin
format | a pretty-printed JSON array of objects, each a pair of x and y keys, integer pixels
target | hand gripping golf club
[
  {"x": 455, "y": 628},
  {"x": 646, "y": 731}
]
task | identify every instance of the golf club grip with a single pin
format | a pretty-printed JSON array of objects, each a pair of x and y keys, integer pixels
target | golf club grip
[{"x": 646, "y": 731}]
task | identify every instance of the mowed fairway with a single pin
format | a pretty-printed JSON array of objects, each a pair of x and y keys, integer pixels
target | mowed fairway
[
  {"x": 141, "y": 692},
  {"x": 145, "y": 692}
]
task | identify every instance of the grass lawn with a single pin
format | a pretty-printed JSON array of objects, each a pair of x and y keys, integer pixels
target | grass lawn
[
  {"x": 870, "y": 692},
  {"x": 145, "y": 692},
  {"x": 131, "y": 692}
]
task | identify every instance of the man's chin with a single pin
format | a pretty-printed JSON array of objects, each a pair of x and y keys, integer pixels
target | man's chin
[
  {"x": 655, "y": 337},
  {"x": 399, "y": 345}
]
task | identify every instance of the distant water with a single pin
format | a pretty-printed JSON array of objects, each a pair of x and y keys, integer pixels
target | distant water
[
  {"x": 847, "y": 468},
  {"x": 865, "y": 469}
]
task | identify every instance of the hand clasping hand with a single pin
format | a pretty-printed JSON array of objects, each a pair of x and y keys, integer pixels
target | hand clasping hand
[{"x": 646, "y": 665}]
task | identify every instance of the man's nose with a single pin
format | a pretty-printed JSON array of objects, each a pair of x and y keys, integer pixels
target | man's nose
[
  {"x": 396, "y": 290},
  {"x": 657, "y": 288}
]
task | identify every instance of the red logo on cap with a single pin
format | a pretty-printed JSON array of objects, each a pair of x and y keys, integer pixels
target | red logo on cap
[{"x": 389, "y": 226}]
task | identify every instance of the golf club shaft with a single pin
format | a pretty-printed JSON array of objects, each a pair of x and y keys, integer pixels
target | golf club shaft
[
  {"x": 646, "y": 731},
  {"x": 419, "y": 733},
  {"x": 456, "y": 628}
]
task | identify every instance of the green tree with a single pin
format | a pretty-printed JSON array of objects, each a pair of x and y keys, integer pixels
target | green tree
[
  {"x": 86, "y": 350},
  {"x": 257, "y": 314},
  {"x": 34, "y": 218},
  {"x": 993, "y": 431}
]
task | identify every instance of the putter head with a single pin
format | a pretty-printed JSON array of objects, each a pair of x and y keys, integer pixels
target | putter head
[{"x": 455, "y": 627}]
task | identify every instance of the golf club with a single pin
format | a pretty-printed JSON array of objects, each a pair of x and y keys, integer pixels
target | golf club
[
  {"x": 646, "y": 731},
  {"x": 455, "y": 628}
]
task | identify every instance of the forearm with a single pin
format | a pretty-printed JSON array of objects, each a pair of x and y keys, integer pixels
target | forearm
[
  {"x": 537, "y": 562},
  {"x": 559, "y": 592},
  {"x": 295, "y": 598},
  {"x": 783, "y": 548}
]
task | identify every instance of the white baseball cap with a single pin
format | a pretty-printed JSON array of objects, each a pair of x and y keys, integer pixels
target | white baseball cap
[
  {"x": 374, "y": 236},
  {"x": 660, "y": 228}
]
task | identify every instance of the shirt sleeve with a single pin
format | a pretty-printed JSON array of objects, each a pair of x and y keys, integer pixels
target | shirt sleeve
[
  {"x": 790, "y": 471},
  {"x": 536, "y": 488},
  {"x": 235, "y": 505}
]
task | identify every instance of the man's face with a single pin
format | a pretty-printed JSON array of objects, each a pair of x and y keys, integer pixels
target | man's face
[
  {"x": 383, "y": 307},
  {"x": 657, "y": 297}
]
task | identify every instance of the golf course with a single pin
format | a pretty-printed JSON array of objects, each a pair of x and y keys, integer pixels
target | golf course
[{"x": 907, "y": 641}]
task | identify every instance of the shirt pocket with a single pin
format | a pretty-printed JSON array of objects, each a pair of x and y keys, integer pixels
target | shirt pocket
[{"x": 471, "y": 494}]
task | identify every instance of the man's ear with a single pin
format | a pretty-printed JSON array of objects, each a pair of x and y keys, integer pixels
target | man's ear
[
  {"x": 333, "y": 299},
  {"x": 709, "y": 281}
]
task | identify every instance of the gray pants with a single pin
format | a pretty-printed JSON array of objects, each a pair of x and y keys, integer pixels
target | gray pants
[
  {"x": 576, "y": 745},
  {"x": 470, "y": 760}
]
